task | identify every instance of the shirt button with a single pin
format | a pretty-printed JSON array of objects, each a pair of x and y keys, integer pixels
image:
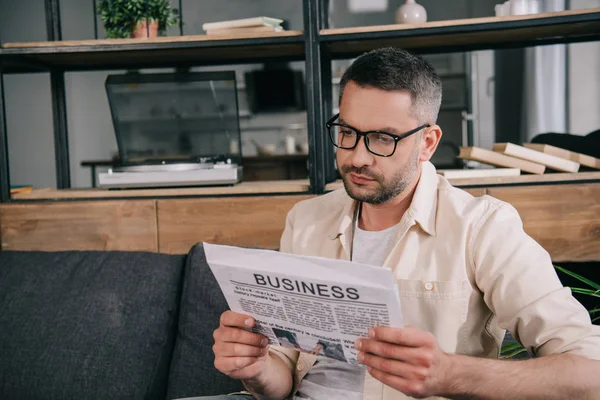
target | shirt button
[
  {"x": 300, "y": 367},
  {"x": 428, "y": 286}
]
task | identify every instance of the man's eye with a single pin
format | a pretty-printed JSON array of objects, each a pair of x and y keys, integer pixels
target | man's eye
[
  {"x": 381, "y": 138},
  {"x": 347, "y": 132}
]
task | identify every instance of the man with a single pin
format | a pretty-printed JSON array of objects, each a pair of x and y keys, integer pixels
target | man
[{"x": 466, "y": 270}]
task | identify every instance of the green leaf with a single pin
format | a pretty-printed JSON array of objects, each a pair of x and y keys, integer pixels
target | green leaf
[
  {"x": 588, "y": 292},
  {"x": 514, "y": 353},
  {"x": 579, "y": 277}
]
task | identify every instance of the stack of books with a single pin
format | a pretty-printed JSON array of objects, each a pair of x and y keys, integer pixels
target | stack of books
[
  {"x": 532, "y": 158},
  {"x": 245, "y": 25}
]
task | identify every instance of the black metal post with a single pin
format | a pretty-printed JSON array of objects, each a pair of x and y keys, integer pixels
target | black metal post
[
  {"x": 61, "y": 135},
  {"x": 59, "y": 101},
  {"x": 4, "y": 164},
  {"x": 315, "y": 104},
  {"x": 180, "y": 12},
  {"x": 94, "y": 13},
  {"x": 53, "y": 29}
]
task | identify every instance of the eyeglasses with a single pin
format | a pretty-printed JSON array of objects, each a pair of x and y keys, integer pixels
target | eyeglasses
[{"x": 381, "y": 144}]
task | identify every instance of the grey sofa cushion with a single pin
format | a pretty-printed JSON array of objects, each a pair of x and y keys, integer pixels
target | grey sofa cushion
[
  {"x": 202, "y": 303},
  {"x": 87, "y": 325}
]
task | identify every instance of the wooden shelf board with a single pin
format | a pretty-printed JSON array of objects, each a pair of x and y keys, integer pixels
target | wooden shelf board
[
  {"x": 102, "y": 43},
  {"x": 465, "y": 34},
  {"x": 244, "y": 188},
  {"x": 155, "y": 52},
  {"x": 509, "y": 180}
]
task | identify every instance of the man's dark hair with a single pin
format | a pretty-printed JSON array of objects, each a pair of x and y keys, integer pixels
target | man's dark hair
[{"x": 394, "y": 69}]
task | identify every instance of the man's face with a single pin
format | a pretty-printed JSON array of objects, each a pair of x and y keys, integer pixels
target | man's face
[{"x": 368, "y": 177}]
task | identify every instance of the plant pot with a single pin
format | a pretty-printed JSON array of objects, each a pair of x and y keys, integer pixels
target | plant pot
[{"x": 145, "y": 29}]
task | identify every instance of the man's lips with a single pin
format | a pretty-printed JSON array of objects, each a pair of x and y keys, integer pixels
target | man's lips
[{"x": 360, "y": 179}]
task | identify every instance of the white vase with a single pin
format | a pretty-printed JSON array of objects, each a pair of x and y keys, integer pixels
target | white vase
[{"x": 411, "y": 13}]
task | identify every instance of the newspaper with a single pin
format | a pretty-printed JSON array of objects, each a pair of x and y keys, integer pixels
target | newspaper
[{"x": 312, "y": 304}]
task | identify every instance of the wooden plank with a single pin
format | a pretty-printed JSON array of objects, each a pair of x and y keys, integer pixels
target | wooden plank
[
  {"x": 238, "y": 221},
  {"x": 565, "y": 220},
  {"x": 508, "y": 180},
  {"x": 501, "y": 160},
  {"x": 256, "y": 187},
  {"x": 162, "y": 39},
  {"x": 455, "y": 22},
  {"x": 524, "y": 153},
  {"x": 527, "y": 179},
  {"x": 108, "y": 225},
  {"x": 582, "y": 159},
  {"x": 466, "y": 35},
  {"x": 478, "y": 173}
]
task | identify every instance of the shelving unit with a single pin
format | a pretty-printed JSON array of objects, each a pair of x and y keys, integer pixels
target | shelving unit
[
  {"x": 467, "y": 34},
  {"x": 316, "y": 45},
  {"x": 162, "y": 52}
]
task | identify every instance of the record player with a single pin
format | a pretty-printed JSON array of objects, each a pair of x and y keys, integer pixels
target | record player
[{"x": 173, "y": 130}]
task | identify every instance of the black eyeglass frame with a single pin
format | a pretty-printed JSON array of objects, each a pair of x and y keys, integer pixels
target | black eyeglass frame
[{"x": 330, "y": 124}]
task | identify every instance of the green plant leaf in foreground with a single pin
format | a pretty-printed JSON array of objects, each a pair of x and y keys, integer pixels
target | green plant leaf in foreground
[
  {"x": 579, "y": 277},
  {"x": 588, "y": 292}
]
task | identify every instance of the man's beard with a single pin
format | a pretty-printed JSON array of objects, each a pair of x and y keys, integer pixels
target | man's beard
[{"x": 387, "y": 190}]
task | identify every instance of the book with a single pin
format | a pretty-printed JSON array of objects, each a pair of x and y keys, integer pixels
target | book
[
  {"x": 21, "y": 189},
  {"x": 500, "y": 160},
  {"x": 242, "y": 23},
  {"x": 478, "y": 173},
  {"x": 254, "y": 29},
  {"x": 582, "y": 159},
  {"x": 550, "y": 161}
]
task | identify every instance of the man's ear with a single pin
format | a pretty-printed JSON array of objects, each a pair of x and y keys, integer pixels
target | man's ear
[{"x": 430, "y": 139}]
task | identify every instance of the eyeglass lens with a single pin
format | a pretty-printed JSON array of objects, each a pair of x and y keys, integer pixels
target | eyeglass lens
[{"x": 347, "y": 138}]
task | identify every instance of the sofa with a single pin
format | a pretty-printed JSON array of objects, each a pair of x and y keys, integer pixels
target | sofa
[{"x": 108, "y": 325}]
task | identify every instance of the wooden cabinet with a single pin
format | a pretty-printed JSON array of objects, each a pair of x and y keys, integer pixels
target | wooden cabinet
[
  {"x": 80, "y": 225},
  {"x": 238, "y": 221},
  {"x": 563, "y": 218}
]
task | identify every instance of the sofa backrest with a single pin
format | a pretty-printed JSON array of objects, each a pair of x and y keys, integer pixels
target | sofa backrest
[
  {"x": 87, "y": 325},
  {"x": 202, "y": 303}
]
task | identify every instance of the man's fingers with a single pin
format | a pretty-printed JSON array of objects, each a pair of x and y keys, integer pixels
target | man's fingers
[
  {"x": 233, "y": 319},
  {"x": 237, "y": 335},
  {"x": 407, "y": 336},
  {"x": 410, "y": 388},
  {"x": 412, "y": 355},
  {"x": 228, "y": 365},
  {"x": 394, "y": 367},
  {"x": 225, "y": 349}
]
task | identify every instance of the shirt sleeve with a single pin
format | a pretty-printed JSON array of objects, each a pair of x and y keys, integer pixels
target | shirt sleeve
[{"x": 521, "y": 287}]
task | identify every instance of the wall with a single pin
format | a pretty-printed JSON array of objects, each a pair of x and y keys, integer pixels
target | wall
[
  {"x": 28, "y": 105},
  {"x": 584, "y": 81}
]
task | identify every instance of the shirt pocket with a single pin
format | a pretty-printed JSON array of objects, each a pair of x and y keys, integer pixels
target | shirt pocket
[{"x": 439, "y": 307}]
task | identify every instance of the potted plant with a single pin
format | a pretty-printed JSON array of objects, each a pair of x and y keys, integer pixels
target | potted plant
[{"x": 136, "y": 18}]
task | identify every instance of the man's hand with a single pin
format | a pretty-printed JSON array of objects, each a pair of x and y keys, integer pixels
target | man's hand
[
  {"x": 406, "y": 359},
  {"x": 409, "y": 360},
  {"x": 245, "y": 355},
  {"x": 239, "y": 353}
]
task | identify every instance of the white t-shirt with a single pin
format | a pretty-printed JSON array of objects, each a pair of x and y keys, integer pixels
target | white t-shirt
[{"x": 336, "y": 380}]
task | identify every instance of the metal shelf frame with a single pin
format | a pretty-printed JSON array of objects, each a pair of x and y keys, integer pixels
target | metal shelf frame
[{"x": 317, "y": 46}]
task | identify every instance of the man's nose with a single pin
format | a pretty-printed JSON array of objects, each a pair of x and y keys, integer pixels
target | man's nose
[{"x": 361, "y": 156}]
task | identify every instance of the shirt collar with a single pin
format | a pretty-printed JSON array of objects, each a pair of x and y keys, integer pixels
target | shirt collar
[{"x": 423, "y": 208}]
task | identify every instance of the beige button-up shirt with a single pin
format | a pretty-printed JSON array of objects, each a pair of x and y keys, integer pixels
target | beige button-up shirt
[{"x": 466, "y": 271}]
